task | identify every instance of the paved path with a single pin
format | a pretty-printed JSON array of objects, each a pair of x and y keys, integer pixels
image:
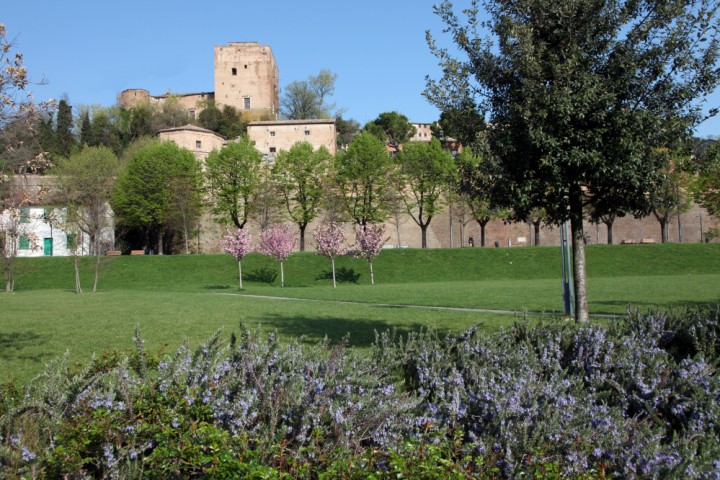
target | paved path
[{"x": 425, "y": 307}]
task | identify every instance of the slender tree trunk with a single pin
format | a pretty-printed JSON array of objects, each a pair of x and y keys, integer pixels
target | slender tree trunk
[
  {"x": 423, "y": 230},
  {"x": 664, "y": 230},
  {"x": 332, "y": 260},
  {"x": 76, "y": 264},
  {"x": 609, "y": 226},
  {"x": 240, "y": 273},
  {"x": 537, "y": 232},
  {"x": 302, "y": 226},
  {"x": 372, "y": 275},
  {"x": 97, "y": 270},
  {"x": 578, "y": 243},
  {"x": 282, "y": 275}
]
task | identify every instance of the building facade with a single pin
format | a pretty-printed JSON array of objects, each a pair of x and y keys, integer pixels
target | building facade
[
  {"x": 199, "y": 141},
  {"x": 271, "y": 137}
]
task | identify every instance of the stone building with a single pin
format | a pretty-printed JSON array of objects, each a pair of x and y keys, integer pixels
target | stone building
[
  {"x": 246, "y": 77},
  {"x": 270, "y": 137},
  {"x": 199, "y": 141}
]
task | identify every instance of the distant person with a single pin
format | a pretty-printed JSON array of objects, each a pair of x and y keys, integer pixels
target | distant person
[{"x": 471, "y": 241}]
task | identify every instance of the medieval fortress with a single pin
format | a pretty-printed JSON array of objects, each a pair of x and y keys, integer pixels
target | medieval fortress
[{"x": 247, "y": 78}]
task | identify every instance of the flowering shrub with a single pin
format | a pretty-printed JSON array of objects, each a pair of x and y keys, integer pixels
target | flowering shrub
[
  {"x": 278, "y": 243},
  {"x": 555, "y": 400},
  {"x": 329, "y": 242},
  {"x": 369, "y": 241},
  {"x": 237, "y": 244}
]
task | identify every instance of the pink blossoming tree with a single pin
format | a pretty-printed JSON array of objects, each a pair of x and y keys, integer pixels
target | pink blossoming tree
[
  {"x": 237, "y": 244},
  {"x": 329, "y": 242},
  {"x": 369, "y": 241},
  {"x": 278, "y": 243}
]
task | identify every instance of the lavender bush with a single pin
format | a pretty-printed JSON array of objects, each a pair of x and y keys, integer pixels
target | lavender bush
[{"x": 635, "y": 398}]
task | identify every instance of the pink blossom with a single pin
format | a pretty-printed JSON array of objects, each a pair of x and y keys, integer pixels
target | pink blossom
[
  {"x": 369, "y": 241},
  {"x": 278, "y": 243},
  {"x": 237, "y": 244},
  {"x": 329, "y": 242}
]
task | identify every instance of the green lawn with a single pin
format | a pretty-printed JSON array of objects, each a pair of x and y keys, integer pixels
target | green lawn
[{"x": 178, "y": 298}]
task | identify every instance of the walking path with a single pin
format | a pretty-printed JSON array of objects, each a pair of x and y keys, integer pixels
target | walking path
[{"x": 425, "y": 307}]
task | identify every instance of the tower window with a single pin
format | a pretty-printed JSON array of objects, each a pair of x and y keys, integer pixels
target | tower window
[
  {"x": 198, "y": 144},
  {"x": 272, "y": 133},
  {"x": 307, "y": 133},
  {"x": 246, "y": 103},
  {"x": 234, "y": 71}
]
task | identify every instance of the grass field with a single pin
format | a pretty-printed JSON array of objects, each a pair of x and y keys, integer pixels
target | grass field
[{"x": 178, "y": 298}]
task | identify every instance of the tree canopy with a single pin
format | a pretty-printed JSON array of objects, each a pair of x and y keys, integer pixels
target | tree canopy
[
  {"x": 578, "y": 95},
  {"x": 305, "y": 99},
  {"x": 232, "y": 176},
  {"x": 391, "y": 127}
]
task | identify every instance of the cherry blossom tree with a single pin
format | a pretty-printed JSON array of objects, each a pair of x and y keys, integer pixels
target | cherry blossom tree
[
  {"x": 277, "y": 242},
  {"x": 370, "y": 240},
  {"x": 237, "y": 244},
  {"x": 329, "y": 242}
]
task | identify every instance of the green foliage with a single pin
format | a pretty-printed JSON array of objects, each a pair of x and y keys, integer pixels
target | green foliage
[
  {"x": 64, "y": 139},
  {"x": 228, "y": 122},
  {"x": 391, "y": 127},
  {"x": 306, "y": 99},
  {"x": 426, "y": 170},
  {"x": 156, "y": 180},
  {"x": 232, "y": 177},
  {"x": 362, "y": 175},
  {"x": 706, "y": 186},
  {"x": 580, "y": 95},
  {"x": 300, "y": 176}
]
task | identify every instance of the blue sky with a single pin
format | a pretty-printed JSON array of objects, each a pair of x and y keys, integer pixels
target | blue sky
[{"x": 92, "y": 50}]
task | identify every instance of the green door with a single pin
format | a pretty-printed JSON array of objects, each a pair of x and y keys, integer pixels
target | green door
[{"x": 48, "y": 247}]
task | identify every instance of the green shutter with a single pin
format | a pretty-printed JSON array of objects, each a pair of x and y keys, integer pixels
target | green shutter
[
  {"x": 24, "y": 243},
  {"x": 25, "y": 215}
]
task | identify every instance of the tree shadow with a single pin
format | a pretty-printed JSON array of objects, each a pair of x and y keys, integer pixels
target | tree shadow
[
  {"x": 342, "y": 275},
  {"x": 13, "y": 344},
  {"x": 217, "y": 287},
  {"x": 262, "y": 275},
  {"x": 311, "y": 330}
]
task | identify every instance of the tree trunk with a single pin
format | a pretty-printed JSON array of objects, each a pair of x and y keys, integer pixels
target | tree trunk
[
  {"x": 97, "y": 271},
  {"x": 609, "y": 226},
  {"x": 302, "y": 227},
  {"x": 240, "y": 273},
  {"x": 332, "y": 260},
  {"x": 537, "y": 233},
  {"x": 578, "y": 244},
  {"x": 423, "y": 229},
  {"x": 664, "y": 231},
  {"x": 482, "y": 224},
  {"x": 282, "y": 275},
  {"x": 372, "y": 275}
]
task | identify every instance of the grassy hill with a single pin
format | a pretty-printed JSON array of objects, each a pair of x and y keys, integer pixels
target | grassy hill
[
  {"x": 393, "y": 266},
  {"x": 176, "y": 299}
]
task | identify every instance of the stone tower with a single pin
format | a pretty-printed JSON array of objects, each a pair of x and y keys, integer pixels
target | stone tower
[{"x": 247, "y": 78}]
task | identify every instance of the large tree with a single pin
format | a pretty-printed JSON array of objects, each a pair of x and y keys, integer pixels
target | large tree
[
  {"x": 300, "y": 176},
  {"x": 232, "y": 176},
  {"x": 578, "y": 93},
  {"x": 425, "y": 171},
  {"x": 362, "y": 178},
  {"x": 304, "y": 99},
  {"x": 393, "y": 128},
  {"x": 147, "y": 191}
]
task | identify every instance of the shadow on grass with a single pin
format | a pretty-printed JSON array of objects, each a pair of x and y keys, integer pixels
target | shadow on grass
[
  {"x": 342, "y": 275},
  {"x": 315, "y": 329},
  {"x": 216, "y": 287},
  {"x": 644, "y": 305},
  {"x": 261, "y": 275},
  {"x": 13, "y": 344}
]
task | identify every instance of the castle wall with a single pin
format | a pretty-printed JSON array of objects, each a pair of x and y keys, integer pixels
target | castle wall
[{"x": 197, "y": 140}]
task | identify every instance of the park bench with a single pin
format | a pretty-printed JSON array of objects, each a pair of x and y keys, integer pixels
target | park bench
[
  {"x": 629, "y": 241},
  {"x": 137, "y": 252},
  {"x": 113, "y": 253},
  {"x": 647, "y": 240}
]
